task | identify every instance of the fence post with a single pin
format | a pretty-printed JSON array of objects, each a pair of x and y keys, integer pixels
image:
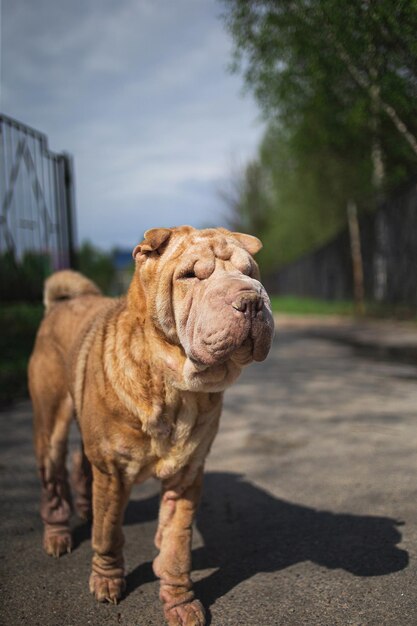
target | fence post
[{"x": 69, "y": 181}]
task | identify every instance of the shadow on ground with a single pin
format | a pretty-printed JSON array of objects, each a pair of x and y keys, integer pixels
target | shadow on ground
[{"x": 247, "y": 530}]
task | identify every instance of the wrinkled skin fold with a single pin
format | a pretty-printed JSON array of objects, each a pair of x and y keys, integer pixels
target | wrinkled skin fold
[
  {"x": 229, "y": 311},
  {"x": 145, "y": 376}
]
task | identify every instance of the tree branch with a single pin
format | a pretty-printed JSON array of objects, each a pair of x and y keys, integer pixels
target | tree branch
[{"x": 363, "y": 82}]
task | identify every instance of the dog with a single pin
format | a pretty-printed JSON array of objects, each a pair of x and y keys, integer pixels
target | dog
[{"x": 144, "y": 376}]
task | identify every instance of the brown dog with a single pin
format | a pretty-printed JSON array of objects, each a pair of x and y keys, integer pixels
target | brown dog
[{"x": 145, "y": 376}]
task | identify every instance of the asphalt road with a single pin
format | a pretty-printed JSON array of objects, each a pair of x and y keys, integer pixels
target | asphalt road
[{"x": 309, "y": 514}]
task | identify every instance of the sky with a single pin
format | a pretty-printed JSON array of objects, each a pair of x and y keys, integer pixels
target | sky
[{"x": 139, "y": 92}]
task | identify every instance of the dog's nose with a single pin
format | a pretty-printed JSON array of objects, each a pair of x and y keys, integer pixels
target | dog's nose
[{"x": 249, "y": 302}]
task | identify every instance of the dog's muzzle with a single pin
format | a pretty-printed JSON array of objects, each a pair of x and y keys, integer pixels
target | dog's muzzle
[{"x": 230, "y": 313}]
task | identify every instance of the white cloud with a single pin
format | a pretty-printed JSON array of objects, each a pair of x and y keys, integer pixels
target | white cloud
[{"x": 139, "y": 94}]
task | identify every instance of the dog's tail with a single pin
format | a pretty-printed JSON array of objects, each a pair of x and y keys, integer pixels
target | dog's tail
[{"x": 65, "y": 285}]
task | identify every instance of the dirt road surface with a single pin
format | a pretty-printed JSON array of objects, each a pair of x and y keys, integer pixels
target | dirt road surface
[{"x": 309, "y": 514}]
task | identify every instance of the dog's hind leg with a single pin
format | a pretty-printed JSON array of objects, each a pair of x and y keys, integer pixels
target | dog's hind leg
[
  {"x": 53, "y": 411},
  {"x": 81, "y": 483}
]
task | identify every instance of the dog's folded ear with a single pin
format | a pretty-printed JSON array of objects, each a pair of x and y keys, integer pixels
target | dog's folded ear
[
  {"x": 153, "y": 241},
  {"x": 249, "y": 242}
]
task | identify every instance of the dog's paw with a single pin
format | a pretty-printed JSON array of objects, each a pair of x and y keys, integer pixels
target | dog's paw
[
  {"x": 57, "y": 544},
  {"x": 189, "y": 614},
  {"x": 107, "y": 589}
]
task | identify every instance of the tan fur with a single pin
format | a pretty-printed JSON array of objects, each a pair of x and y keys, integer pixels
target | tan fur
[
  {"x": 67, "y": 284},
  {"x": 145, "y": 376}
]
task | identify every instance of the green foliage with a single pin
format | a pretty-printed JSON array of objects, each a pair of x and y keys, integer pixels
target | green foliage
[
  {"x": 97, "y": 265},
  {"x": 299, "y": 56},
  {"x": 294, "y": 305},
  {"x": 23, "y": 281},
  {"x": 19, "y": 323},
  {"x": 337, "y": 83},
  {"x": 301, "y": 196}
]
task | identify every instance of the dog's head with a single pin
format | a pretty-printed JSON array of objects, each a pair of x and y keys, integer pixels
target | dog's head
[{"x": 203, "y": 293}]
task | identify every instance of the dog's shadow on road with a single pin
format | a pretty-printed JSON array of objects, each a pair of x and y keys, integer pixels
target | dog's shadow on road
[{"x": 247, "y": 530}]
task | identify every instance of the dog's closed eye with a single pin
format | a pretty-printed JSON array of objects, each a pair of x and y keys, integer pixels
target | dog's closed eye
[{"x": 187, "y": 275}]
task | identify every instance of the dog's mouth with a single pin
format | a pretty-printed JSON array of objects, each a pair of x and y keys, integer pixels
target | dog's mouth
[
  {"x": 251, "y": 344},
  {"x": 231, "y": 320},
  {"x": 242, "y": 355}
]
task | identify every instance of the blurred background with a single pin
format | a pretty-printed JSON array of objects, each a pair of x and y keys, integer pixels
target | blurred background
[{"x": 293, "y": 121}]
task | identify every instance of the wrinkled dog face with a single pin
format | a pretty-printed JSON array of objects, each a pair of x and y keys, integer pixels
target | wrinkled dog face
[
  {"x": 222, "y": 306},
  {"x": 205, "y": 294}
]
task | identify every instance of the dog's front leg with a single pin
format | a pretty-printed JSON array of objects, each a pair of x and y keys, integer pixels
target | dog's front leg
[
  {"x": 173, "y": 564},
  {"x": 110, "y": 496}
]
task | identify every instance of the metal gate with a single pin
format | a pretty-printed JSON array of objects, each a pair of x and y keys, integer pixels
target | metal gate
[{"x": 37, "y": 219}]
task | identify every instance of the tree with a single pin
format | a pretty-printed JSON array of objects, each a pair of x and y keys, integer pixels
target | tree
[
  {"x": 291, "y": 197},
  {"x": 97, "y": 265},
  {"x": 299, "y": 54},
  {"x": 338, "y": 84}
]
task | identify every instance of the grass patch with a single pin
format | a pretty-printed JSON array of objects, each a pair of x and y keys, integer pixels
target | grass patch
[
  {"x": 296, "y": 305},
  {"x": 312, "y": 306},
  {"x": 19, "y": 323}
]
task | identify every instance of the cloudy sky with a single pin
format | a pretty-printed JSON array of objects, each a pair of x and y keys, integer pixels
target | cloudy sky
[{"x": 139, "y": 92}]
